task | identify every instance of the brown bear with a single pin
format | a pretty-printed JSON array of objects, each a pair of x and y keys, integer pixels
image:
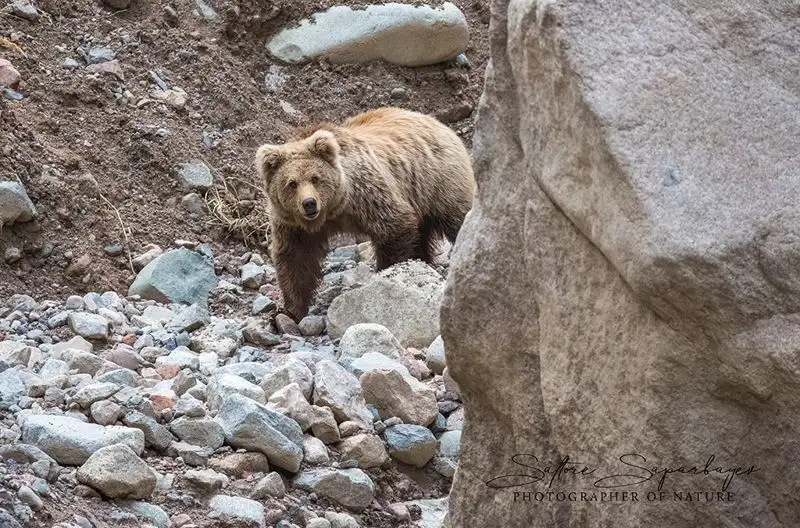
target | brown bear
[{"x": 399, "y": 177}]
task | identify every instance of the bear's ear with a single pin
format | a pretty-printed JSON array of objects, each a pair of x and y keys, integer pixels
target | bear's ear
[
  {"x": 324, "y": 145},
  {"x": 268, "y": 159}
]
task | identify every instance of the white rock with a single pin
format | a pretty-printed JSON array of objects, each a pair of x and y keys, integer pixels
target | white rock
[
  {"x": 370, "y": 362},
  {"x": 206, "y": 480},
  {"x": 71, "y": 442},
  {"x": 351, "y": 488},
  {"x": 398, "y": 33},
  {"x": 94, "y": 392},
  {"x": 362, "y": 338},
  {"x": 181, "y": 357},
  {"x": 15, "y": 353},
  {"x": 89, "y": 326},
  {"x": 368, "y": 450},
  {"x": 253, "y": 275},
  {"x": 12, "y": 388}
]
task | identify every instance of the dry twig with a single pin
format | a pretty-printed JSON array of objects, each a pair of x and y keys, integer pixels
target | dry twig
[{"x": 125, "y": 230}]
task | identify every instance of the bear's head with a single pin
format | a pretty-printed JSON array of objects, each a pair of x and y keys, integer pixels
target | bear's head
[{"x": 303, "y": 179}]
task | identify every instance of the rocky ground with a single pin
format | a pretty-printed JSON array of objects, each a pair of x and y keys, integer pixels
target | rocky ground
[
  {"x": 136, "y": 393},
  {"x": 119, "y": 411},
  {"x": 110, "y": 104}
]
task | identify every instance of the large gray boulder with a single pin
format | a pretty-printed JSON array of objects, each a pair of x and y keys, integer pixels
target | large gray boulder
[
  {"x": 177, "y": 276},
  {"x": 404, "y": 298},
  {"x": 71, "y": 442},
  {"x": 627, "y": 280},
  {"x": 398, "y": 33}
]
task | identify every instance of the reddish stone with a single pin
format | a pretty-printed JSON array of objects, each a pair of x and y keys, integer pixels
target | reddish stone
[
  {"x": 9, "y": 76},
  {"x": 168, "y": 371}
]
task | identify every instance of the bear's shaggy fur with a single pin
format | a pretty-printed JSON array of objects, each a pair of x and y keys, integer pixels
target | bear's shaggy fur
[{"x": 401, "y": 178}]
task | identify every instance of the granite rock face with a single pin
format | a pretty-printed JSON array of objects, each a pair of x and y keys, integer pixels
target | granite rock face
[{"x": 636, "y": 233}]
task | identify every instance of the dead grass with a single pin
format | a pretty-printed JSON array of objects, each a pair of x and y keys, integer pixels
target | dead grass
[{"x": 239, "y": 213}]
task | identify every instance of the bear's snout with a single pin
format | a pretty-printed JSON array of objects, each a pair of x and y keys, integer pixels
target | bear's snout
[{"x": 310, "y": 206}]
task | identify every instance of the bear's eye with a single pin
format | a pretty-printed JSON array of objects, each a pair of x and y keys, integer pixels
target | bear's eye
[
  {"x": 315, "y": 180},
  {"x": 293, "y": 184}
]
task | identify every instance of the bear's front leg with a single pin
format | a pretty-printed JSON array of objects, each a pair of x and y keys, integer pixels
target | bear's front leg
[{"x": 297, "y": 256}]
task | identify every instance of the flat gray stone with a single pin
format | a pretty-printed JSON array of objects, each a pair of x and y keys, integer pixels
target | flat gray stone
[
  {"x": 72, "y": 442},
  {"x": 94, "y": 392},
  {"x": 195, "y": 175},
  {"x": 220, "y": 387},
  {"x": 122, "y": 376},
  {"x": 237, "y": 508},
  {"x": 100, "y": 54},
  {"x": 179, "y": 276},
  {"x": 88, "y": 326},
  {"x": 203, "y": 432},
  {"x": 149, "y": 512},
  {"x": 351, "y": 488},
  {"x": 189, "y": 319}
]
